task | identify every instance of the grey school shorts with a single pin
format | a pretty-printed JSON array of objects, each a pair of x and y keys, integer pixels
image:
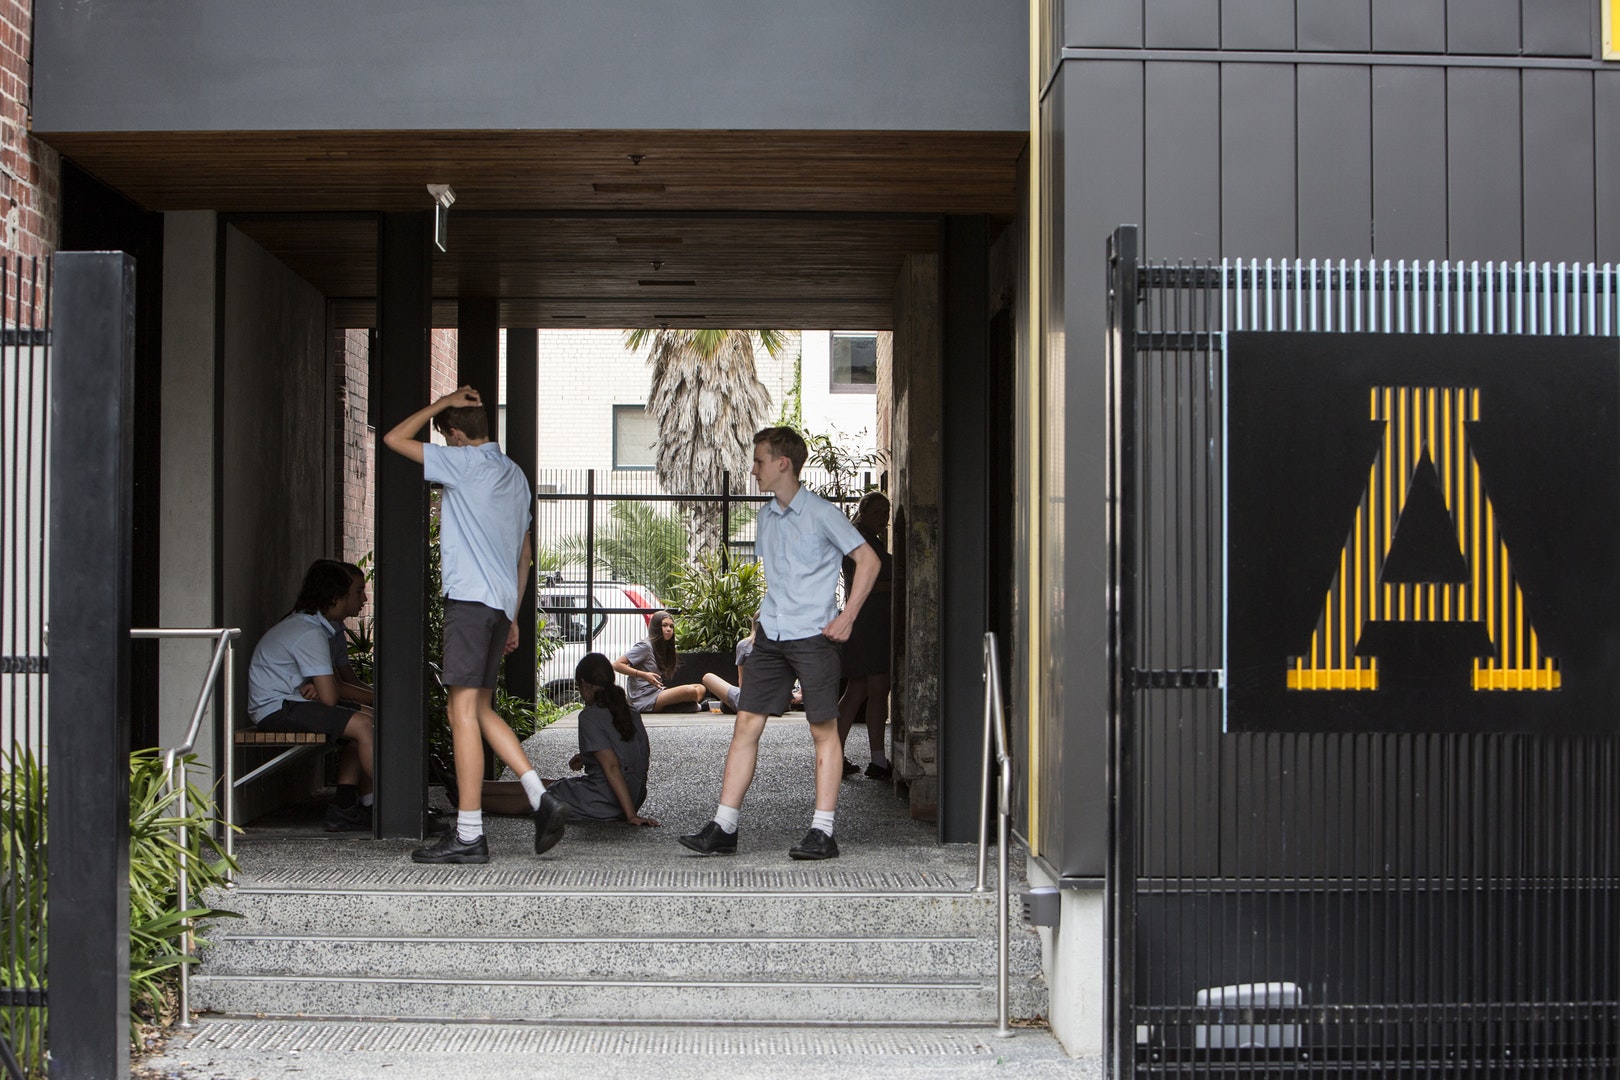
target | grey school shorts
[
  {"x": 310, "y": 716},
  {"x": 474, "y": 643},
  {"x": 774, "y": 665}
]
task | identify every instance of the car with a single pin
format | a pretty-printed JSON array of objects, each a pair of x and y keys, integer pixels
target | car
[{"x": 612, "y": 630}]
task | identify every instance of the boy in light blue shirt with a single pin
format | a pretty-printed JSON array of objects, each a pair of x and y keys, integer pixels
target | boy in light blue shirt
[
  {"x": 802, "y": 539},
  {"x": 485, "y": 557}
]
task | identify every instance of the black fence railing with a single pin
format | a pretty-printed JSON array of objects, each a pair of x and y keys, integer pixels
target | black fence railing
[
  {"x": 24, "y": 429},
  {"x": 1329, "y": 903}
]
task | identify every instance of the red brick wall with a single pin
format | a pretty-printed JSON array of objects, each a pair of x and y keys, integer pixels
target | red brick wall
[
  {"x": 443, "y": 379},
  {"x": 30, "y": 171}
]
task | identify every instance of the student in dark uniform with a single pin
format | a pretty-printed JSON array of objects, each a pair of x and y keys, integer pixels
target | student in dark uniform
[{"x": 613, "y": 751}]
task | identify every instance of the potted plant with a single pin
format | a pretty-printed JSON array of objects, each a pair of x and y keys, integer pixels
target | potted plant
[{"x": 717, "y": 609}]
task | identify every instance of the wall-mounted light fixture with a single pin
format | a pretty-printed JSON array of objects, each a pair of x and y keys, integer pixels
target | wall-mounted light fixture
[{"x": 443, "y": 196}]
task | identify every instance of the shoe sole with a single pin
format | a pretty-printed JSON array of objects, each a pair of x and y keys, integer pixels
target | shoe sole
[
  {"x": 810, "y": 856},
  {"x": 691, "y": 845},
  {"x": 545, "y": 840},
  {"x": 472, "y": 859}
]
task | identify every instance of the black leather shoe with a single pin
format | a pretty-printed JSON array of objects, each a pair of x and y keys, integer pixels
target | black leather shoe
[
  {"x": 549, "y": 822},
  {"x": 879, "y": 772},
  {"x": 448, "y": 848},
  {"x": 851, "y": 769},
  {"x": 347, "y": 818},
  {"x": 815, "y": 845},
  {"x": 711, "y": 840}
]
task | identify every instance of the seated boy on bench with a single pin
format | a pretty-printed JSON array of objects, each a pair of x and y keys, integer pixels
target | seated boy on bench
[{"x": 295, "y": 651}]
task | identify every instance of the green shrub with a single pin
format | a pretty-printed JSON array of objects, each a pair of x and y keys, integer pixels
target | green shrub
[
  {"x": 717, "y": 605},
  {"x": 22, "y": 902}
]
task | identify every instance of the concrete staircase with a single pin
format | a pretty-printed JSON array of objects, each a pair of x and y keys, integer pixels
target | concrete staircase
[{"x": 684, "y": 945}]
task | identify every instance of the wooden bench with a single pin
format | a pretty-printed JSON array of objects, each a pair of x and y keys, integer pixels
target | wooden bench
[{"x": 295, "y": 744}]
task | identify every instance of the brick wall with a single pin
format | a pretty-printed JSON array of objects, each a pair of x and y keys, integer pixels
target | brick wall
[
  {"x": 356, "y": 442},
  {"x": 30, "y": 171}
]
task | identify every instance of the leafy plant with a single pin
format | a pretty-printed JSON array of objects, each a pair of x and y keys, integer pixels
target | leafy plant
[
  {"x": 156, "y": 923},
  {"x": 718, "y": 605},
  {"x": 792, "y": 411},
  {"x": 22, "y": 903},
  {"x": 842, "y": 458}
]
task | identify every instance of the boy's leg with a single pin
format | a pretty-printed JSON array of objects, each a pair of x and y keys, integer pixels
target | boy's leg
[
  {"x": 741, "y": 759},
  {"x": 467, "y": 739},
  {"x": 829, "y": 764}
]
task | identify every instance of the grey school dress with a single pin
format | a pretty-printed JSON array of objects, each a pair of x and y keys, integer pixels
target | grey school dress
[{"x": 590, "y": 796}]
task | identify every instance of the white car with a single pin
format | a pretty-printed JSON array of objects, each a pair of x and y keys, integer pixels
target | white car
[{"x": 562, "y": 605}]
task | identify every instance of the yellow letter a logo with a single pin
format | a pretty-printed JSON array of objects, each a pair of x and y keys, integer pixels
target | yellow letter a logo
[{"x": 1424, "y": 549}]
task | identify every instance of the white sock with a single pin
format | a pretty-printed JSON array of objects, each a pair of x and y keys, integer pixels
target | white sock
[
  {"x": 726, "y": 817},
  {"x": 469, "y": 825},
  {"x": 532, "y": 787},
  {"x": 367, "y": 800},
  {"x": 823, "y": 820}
]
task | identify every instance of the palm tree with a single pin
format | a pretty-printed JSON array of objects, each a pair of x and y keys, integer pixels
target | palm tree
[{"x": 709, "y": 401}]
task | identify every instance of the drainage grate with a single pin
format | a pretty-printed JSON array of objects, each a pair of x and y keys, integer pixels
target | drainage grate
[
  {"x": 397, "y": 1038},
  {"x": 350, "y": 879}
]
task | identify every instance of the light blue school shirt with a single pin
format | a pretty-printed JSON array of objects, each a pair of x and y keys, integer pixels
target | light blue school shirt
[
  {"x": 803, "y": 547},
  {"x": 483, "y": 514},
  {"x": 297, "y": 648}
]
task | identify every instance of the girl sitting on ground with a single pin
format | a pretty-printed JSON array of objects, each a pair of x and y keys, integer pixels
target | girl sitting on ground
[
  {"x": 613, "y": 751},
  {"x": 649, "y": 667}
]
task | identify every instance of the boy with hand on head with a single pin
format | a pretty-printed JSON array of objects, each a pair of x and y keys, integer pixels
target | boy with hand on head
[
  {"x": 485, "y": 557},
  {"x": 802, "y": 539}
]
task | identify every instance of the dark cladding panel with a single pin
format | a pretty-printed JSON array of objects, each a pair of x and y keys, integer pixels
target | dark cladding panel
[
  {"x": 1558, "y": 28},
  {"x": 1258, "y": 199},
  {"x": 1102, "y": 23},
  {"x": 1607, "y": 103},
  {"x": 1335, "y": 25},
  {"x": 1482, "y": 27},
  {"x": 1335, "y": 161},
  {"x": 1409, "y": 162},
  {"x": 1182, "y": 129},
  {"x": 1484, "y": 195},
  {"x": 1559, "y": 198},
  {"x": 1409, "y": 26},
  {"x": 1257, "y": 24},
  {"x": 1102, "y": 187},
  {"x": 1180, "y": 24}
]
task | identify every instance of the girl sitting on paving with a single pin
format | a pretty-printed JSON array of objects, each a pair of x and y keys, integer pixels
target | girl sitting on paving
[
  {"x": 613, "y": 750},
  {"x": 650, "y": 665}
]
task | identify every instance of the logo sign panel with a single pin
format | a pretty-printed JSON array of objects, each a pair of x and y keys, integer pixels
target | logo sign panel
[{"x": 1422, "y": 533}]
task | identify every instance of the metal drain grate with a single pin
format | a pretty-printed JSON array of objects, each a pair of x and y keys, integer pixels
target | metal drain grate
[
  {"x": 400, "y": 1038},
  {"x": 350, "y": 879}
]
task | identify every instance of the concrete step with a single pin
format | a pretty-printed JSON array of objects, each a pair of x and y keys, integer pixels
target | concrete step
[
  {"x": 433, "y": 911},
  {"x": 622, "y": 956},
  {"x": 931, "y": 1001}
]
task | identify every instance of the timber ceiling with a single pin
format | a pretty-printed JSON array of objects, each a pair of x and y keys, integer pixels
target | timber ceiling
[{"x": 592, "y": 229}]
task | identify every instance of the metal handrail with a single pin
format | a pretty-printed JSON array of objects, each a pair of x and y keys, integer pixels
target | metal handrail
[
  {"x": 995, "y": 721},
  {"x": 174, "y": 776}
]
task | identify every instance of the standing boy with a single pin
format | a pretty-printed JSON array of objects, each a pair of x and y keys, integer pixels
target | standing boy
[
  {"x": 802, "y": 539},
  {"x": 484, "y": 555}
]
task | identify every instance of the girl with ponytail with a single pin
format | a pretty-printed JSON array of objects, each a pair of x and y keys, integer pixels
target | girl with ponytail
[{"x": 613, "y": 750}]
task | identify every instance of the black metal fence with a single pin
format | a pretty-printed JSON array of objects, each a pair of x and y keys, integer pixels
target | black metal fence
[
  {"x": 24, "y": 427},
  {"x": 1330, "y": 904}
]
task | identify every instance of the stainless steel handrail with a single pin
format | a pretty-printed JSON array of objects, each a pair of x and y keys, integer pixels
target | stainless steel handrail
[
  {"x": 995, "y": 721},
  {"x": 174, "y": 774}
]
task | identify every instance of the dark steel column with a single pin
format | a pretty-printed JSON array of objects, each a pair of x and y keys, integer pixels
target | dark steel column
[
  {"x": 91, "y": 463},
  {"x": 522, "y": 446},
  {"x": 400, "y": 386},
  {"x": 478, "y": 351},
  {"x": 965, "y": 392}
]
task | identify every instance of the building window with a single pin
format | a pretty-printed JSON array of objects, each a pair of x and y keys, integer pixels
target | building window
[
  {"x": 635, "y": 438},
  {"x": 854, "y": 364}
]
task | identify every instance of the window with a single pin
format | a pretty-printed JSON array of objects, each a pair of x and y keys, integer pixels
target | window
[
  {"x": 854, "y": 364},
  {"x": 635, "y": 438}
]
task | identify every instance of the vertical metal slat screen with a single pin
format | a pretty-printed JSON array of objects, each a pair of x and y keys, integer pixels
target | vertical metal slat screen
[
  {"x": 24, "y": 415},
  {"x": 1331, "y": 904}
]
